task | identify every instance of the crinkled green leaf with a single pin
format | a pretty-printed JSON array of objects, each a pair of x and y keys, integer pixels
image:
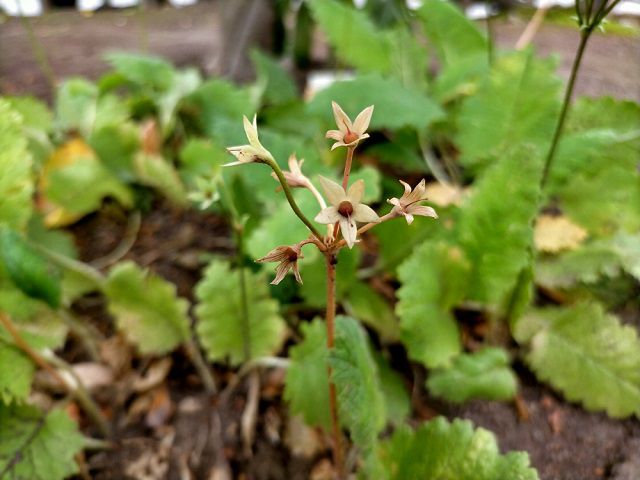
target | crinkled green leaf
[
  {"x": 396, "y": 395},
  {"x": 484, "y": 374},
  {"x": 79, "y": 107},
  {"x": 37, "y": 446},
  {"x": 307, "y": 382},
  {"x": 365, "y": 304},
  {"x": 220, "y": 324},
  {"x": 157, "y": 172},
  {"x": 586, "y": 354},
  {"x": 495, "y": 224},
  {"x": 455, "y": 37},
  {"x": 200, "y": 159},
  {"x": 361, "y": 404},
  {"x": 220, "y": 106},
  {"x": 395, "y": 105},
  {"x": 143, "y": 70},
  {"x": 28, "y": 269},
  {"x": 147, "y": 308},
  {"x": 450, "y": 451},
  {"x": 517, "y": 103},
  {"x": 37, "y": 125},
  {"x": 15, "y": 375},
  {"x": 16, "y": 183},
  {"x": 116, "y": 146},
  {"x": 434, "y": 279},
  {"x": 278, "y": 85},
  {"x": 409, "y": 59},
  {"x": 355, "y": 39},
  {"x": 79, "y": 187}
]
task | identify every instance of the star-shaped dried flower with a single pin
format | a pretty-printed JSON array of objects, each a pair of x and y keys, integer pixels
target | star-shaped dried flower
[
  {"x": 288, "y": 257},
  {"x": 345, "y": 208},
  {"x": 294, "y": 176},
  {"x": 254, "y": 152},
  {"x": 349, "y": 134},
  {"x": 409, "y": 203}
]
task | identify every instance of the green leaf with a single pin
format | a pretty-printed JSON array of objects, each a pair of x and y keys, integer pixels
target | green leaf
[
  {"x": 518, "y": 103},
  {"x": 37, "y": 446},
  {"x": 34, "y": 112},
  {"x": 314, "y": 275},
  {"x": 484, "y": 374},
  {"x": 365, "y": 304},
  {"x": 147, "y": 309},
  {"x": 361, "y": 404},
  {"x": 586, "y": 354},
  {"x": 396, "y": 396},
  {"x": 200, "y": 159},
  {"x": 409, "y": 59},
  {"x": 278, "y": 85},
  {"x": 455, "y": 37},
  {"x": 157, "y": 172},
  {"x": 143, "y": 70},
  {"x": 395, "y": 105},
  {"x": 495, "y": 224},
  {"x": 220, "y": 321},
  {"x": 16, "y": 183},
  {"x": 450, "y": 451},
  {"x": 116, "y": 146},
  {"x": 356, "y": 40},
  {"x": 15, "y": 382},
  {"x": 220, "y": 106},
  {"x": 79, "y": 107},
  {"x": 30, "y": 272},
  {"x": 434, "y": 279},
  {"x": 307, "y": 382},
  {"x": 371, "y": 177}
]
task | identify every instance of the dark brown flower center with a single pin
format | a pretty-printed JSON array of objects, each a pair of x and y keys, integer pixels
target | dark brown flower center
[
  {"x": 350, "y": 137},
  {"x": 292, "y": 255},
  {"x": 345, "y": 208}
]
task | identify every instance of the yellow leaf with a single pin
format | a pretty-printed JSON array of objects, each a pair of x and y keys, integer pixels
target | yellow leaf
[{"x": 555, "y": 233}]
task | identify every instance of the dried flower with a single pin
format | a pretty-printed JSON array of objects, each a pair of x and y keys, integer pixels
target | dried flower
[
  {"x": 254, "y": 152},
  {"x": 345, "y": 208},
  {"x": 294, "y": 176},
  {"x": 408, "y": 204},
  {"x": 206, "y": 192},
  {"x": 288, "y": 257},
  {"x": 349, "y": 134}
]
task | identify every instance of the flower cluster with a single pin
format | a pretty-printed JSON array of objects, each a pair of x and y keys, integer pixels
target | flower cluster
[{"x": 345, "y": 208}]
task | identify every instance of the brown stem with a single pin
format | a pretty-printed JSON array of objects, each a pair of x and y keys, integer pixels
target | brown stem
[
  {"x": 347, "y": 167},
  {"x": 338, "y": 457},
  {"x": 79, "y": 393}
]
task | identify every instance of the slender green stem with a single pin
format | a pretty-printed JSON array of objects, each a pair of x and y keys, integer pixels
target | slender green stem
[
  {"x": 287, "y": 192},
  {"x": 82, "y": 269},
  {"x": 81, "y": 331},
  {"x": 338, "y": 454},
  {"x": 584, "y": 38}
]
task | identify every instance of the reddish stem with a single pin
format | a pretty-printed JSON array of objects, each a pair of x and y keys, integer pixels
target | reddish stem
[
  {"x": 347, "y": 167},
  {"x": 338, "y": 458}
]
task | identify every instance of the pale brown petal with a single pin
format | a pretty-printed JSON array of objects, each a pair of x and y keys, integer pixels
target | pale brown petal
[
  {"x": 349, "y": 230},
  {"x": 407, "y": 188},
  {"x": 365, "y": 214},
  {"x": 361, "y": 122},
  {"x": 356, "y": 191},
  {"x": 418, "y": 193},
  {"x": 334, "y": 192},
  {"x": 335, "y": 134},
  {"x": 252, "y": 131},
  {"x": 342, "y": 120},
  {"x": 422, "y": 210},
  {"x": 276, "y": 255},
  {"x": 281, "y": 271},
  {"x": 394, "y": 201},
  {"x": 328, "y": 216},
  {"x": 296, "y": 272},
  {"x": 338, "y": 144},
  {"x": 408, "y": 217}
]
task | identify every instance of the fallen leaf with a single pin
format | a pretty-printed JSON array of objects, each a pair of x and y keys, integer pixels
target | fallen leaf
[
  {"x": 302, "y": 440},
  {"x": 553, "y": 234},
  {"x": 154, "y": 375}
]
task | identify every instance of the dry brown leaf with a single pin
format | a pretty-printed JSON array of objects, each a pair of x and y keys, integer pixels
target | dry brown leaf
[
  {"x": 302, "y": 440},
  {"x": 553, "y": 234},
  {"x": 93, "y": 375},
  {"x": 154, "y": 375}
]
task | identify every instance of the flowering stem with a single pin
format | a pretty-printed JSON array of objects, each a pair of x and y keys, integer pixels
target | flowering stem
[
  {"x": 338, "y": 458},
  {"x": 287, "y": 192},
  {"x": 347, "y": 167},
  {"x": 584, "y": 38}
]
